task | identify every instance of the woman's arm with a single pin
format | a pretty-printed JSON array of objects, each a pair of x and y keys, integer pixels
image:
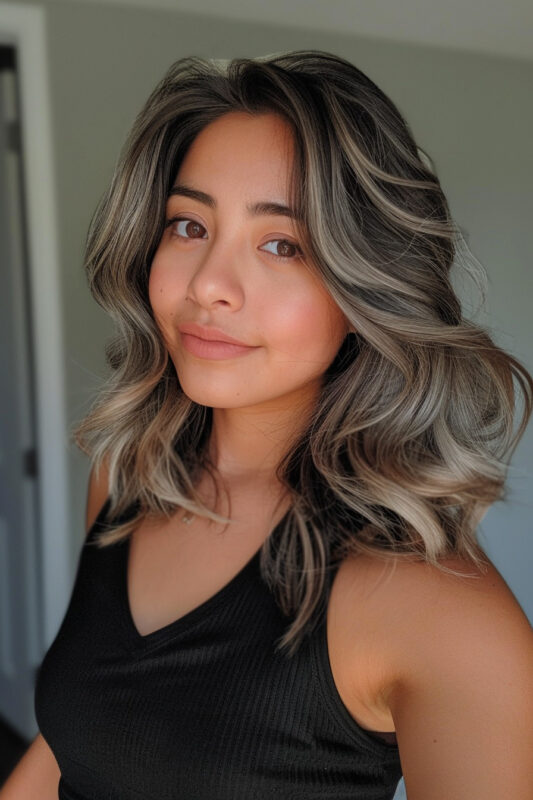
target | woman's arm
[
  {"x": 36, "y": 776},
  {"x": 37, "y": 773},
  {"x": 462, "y": 699}
]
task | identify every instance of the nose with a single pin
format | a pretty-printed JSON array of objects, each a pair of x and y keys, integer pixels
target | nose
[{"x": 215, "y": 281}]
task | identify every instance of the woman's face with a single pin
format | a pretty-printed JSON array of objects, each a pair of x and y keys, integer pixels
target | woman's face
[{"x": 228, "y": 264}]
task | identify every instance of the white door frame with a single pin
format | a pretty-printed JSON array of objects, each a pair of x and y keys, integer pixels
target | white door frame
[{"x": 24, "y": 25}]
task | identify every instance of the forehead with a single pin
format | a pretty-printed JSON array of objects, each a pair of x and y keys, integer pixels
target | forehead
[{"x": 244, "y": 147}]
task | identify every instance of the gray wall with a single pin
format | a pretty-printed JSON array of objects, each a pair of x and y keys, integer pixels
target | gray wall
[{"x": 471, "y": 113}]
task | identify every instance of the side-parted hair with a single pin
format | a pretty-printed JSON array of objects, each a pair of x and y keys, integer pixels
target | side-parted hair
[{"x": 411, "y": 437}]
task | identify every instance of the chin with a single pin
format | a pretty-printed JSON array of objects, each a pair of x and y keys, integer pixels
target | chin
[{"x": 215, "y": 397}]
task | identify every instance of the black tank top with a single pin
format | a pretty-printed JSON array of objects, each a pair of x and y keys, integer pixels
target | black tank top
[{"x": 203, "y": 708}]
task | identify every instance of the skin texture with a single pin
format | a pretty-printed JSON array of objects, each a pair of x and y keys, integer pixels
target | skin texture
[{"x": 226, "y": 275}]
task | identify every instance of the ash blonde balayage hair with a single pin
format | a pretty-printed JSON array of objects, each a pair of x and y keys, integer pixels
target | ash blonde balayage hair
[{"x": 412, "y": 434}]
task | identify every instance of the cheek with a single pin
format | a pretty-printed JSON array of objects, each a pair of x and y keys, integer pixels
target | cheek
[
  {"x": 162, "y": 296},
  {"x": 156, "y": 289},
  {"x": 309, "y": 321}
]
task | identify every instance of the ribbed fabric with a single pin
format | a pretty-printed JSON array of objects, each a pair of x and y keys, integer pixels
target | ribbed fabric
[{"x": 201, "y": 709}]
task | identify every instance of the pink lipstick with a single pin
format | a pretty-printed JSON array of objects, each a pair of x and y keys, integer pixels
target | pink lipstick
[{"x": 211, "y": 343}]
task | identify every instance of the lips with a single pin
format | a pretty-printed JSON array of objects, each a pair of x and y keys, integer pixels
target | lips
[
  {"x": 211, "y": 343},
  {"x": 209, "y": 334}
]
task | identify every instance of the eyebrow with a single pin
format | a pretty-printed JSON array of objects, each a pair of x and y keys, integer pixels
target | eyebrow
[{"x": 260, "y": 208}]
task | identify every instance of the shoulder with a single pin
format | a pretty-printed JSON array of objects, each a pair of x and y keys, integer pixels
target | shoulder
[
  {"x": 97, "y": 493},
  {"x": 419, "y": 593},
  {"x": 457, "y": 672},
  {"x": 421, "y": 612}
]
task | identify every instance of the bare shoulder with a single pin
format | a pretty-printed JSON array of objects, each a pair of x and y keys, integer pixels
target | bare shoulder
[
  {"x": 418, "y": 608},
  {"x": 97, "y": 493},
  {"x": 420, "y": 585},
  {"x": 457, "y": 673}
]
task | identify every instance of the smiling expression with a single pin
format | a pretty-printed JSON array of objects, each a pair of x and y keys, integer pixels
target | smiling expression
[{"x": 246, "y": 322}]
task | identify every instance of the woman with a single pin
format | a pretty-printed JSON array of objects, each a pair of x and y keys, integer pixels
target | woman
[{"x": 281, "y": 593}]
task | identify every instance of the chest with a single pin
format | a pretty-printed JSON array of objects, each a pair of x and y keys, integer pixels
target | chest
[{"x": 174, "y": 569}]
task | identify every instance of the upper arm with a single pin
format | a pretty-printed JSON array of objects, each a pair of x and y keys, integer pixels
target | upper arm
[
  {"x": 97, "y": 494},
  {"x": 36, "y": 774},
  {"x": 462, "y": 698}
]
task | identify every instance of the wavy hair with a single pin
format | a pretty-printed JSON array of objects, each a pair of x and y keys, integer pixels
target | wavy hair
[{"x": 410, "y": 440}]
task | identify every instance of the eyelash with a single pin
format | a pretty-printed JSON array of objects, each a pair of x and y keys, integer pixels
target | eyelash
[{"x": 298, "y": 255}]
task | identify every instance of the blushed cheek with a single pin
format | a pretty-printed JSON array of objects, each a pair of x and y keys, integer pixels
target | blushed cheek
[
  {"x": 320, "y": 323},
  {"x": 301, "y": 334},
  {"x": 159, "y": 291},
  {"x": 155, "y": 288},
  {"x": 159, "y": 303}
]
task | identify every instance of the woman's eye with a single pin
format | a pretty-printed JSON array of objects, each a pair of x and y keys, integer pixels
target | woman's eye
[
  {"x": 187, "y": 228},
  {"x": 284, "y": 249}
]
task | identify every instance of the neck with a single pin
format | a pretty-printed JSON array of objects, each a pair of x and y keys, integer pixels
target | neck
[{"x": 247, "y": 444}]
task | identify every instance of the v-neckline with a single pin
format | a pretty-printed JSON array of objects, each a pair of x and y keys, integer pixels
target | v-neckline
[{"x": 188, "y": 619}]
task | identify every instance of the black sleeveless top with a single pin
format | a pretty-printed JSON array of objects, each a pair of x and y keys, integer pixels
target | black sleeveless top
[{"x": 203, "y": 708}]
